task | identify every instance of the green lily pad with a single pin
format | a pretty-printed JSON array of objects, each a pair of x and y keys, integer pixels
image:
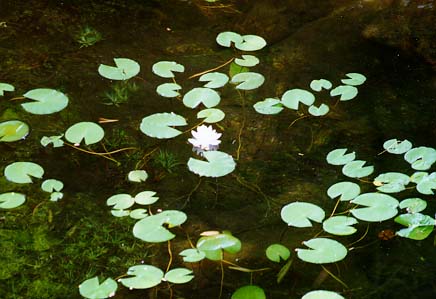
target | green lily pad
[
  {"x": 226, "y": 38},
  {"x": 397, "y": 147},
  {"x": 88, "y": 131},
  {"x": 137, "y": 176},
  {"x": 355, "y": 169},
  {"x": 268, "y": 106},
  {"x": 125, "y": 69},
  {"x": 322, "y": 294},
  {"x": 250, "y": 43},
  {"x": 168, "y": 90},
  {"x": 339, "y": 225},
  {"x": 216, "y": 79},
  {"x": 346, "y": 190},
  {"x": 138, "y": 213},
  {"x": 55, "y": 196},
  {"x": 249, "y": 292},
  {"x": 22, "y": 172},
  {"x": 10, "y": 200},
  {"x": 192, "y": 255},
  {"x": 419, "y": 226},
  {"x": 346, "y": 92},
  {"x": 322, "y": 251},
  {"x": 413, "y": 205},
  {"x": 354, "y": 79},
  {"x": 421, "y": 158},
  {"x": 211, "y": 115},
  {"x": 218, "y": 164},
  {"x": 5, "y": 87},
  {"x": 47, "y": 101},
  {"x": 299, "y": 214},
  {"x": 323, "y": 109},
  {"x": 52, "y": 185},
  {"x": 247, "y": 61},
  {"x": 378, "y": 207},
  {"x": 248, "y": 80},
  {"x": 318, "y": 85},
  {"x": 120, "y": 213},
  {"x": 277, "y": 252},
  {"x": 120, "y": 201},
  {"x": 293, "y": 97},
  {"x": 391, "y": 182},
  {"x": 92, "y": 289},
  {"x": 338, "y": 156},
  {"x": 426, "y": 184},
  {"x": 142, "y": 277},
  {"x": 235, "y": 69},
  {"x": 213, "y": 246},
  {"x": 198, "y": 95},
  {"x": 179, "y": 275},
  {"x": 166, "y": 69},
  {"x": 159, "y": 125},
  {"x": 13, "y": 130},
  {"x": 151, "y": 229},
  {"x": 418, "y": 176},
  {"x": 146, "y": 198},
  {"x": 55, "y": 140}
]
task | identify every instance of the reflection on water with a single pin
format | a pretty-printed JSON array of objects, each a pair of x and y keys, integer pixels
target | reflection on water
[{"x": 49, "y": 248}]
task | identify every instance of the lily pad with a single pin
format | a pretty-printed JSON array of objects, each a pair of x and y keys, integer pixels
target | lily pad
[
  {"x": 138, "y": 213},
  {"x": 338, "y": 156},
  {"x": 52, "y": 185},
  {"x": 421, "y": 158},
  {"x": 247, "y": 61},
  {"x": 168, "y": 90},
  {"x": 218, "y": 164},
  {"x": 391, "y": 182},
  {"x": 55, "y": 196},
  {"x": 137, "y": 176},
  {"x": 354, "y": 79},
  {"x": 277, "y": 252},
  {"x": 299, "y": 214},
  {"x": 88, "y": 131},
  {"x": 55, "y": 140},
  {"x": 92, "y": 289},
  {"x": 125, "y": 69},
  {"x": 323, "y": 109},
  {"x": 5, "y": 87},
  {"x": 322, "y": 294},
  {"x": 216, "y": 79},
  {"x": 179, "y": 275},
  {"x": 142, "y": 277},
  {"x": 248, "y": 80},
  {"x": 427, "y": 184},
  {"x": 346, "y": 92},
  {"x": 151, "y": 229},
  {"x": 192, "y": 255},
  {"x": 419, "y": 226},
  {"x": 120, "y": 213},
  {"x": 213, "y": 246},
  {"x": 198, "y": 95},
  {"x": 120, "y": 201},
  {"x": 22, "y": 172},
  {"x": 159, "y": 125},
  {"x": 397, "y": 147},
  {"x": 211, "y": 115},
  {"x": 251, "y": 43},
  {"x": 146, "y": 198},
  {"x": 339, "y": 225},
  {"x": 318, "y": 85},
  {"x": 166, "y": 69},
  {"x": 322, "y": 251},
  {"x": 346, "y": 190},
  {"x": 10, "y": 200},
  {"x": 268, "y": 106},
  {"x": 13, "y": 130},
  {"x": 249, "y": 292},
  {"x": 355, "y": 169},
  {"x": 235, "y": 69},
  {"x": 378, "y": 207},
  {"x": 47, "y": 101},
  {"x": 293, "y": 97},
  {"x": 413, "y": 205},
  {"x": 226, "y": 38}
]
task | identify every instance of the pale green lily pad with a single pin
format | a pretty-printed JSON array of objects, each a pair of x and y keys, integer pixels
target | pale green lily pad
[
  {"x": 142, "y": 277},
  {"x": 179, "y": 275},
  {"x": 51, "y": 185},
  {"x": 419, "y": 226},
  {"x": 355, "y": 169},
  {"x": 55, "y": 196},
  {"x": 211, "y": 115},
  {"x": 92, "y": 289},
  {"x": 22, "y": 172},
  {"x": 277, "y": 252},
  {"x": 146, "y": 198},
  {"x": 151, "y": 229},
  {"x": 166, "y": 69},
  {"x": 426, "y": 184},
  {"x": 338, "y": 156},
  {"x": 120, "y": 201},
  {"x": 248, "y": 80},
  {"x": 323, "y": 109},
  {"x": 418, "y": 176},
  {"x": 293, "y": 97},
  {"x": 251, "y": 43},
  {"x": 168, "y": 90},
  {"x": 318, "y": 85},
  {"x": 391, "y": 182},
  {"x": 138, "y": 213},
  {"x": 5, "y": 87},
  {"x": 397, "y": 147},
  {"x": 47, "y": 101},
  {"x": 192, "y": 255},
  {"x": 247, "y": 61},
  {"x": 339, "y": 225},
  {"x": 159, "y": 125},
  {"x": 249, "y": 292},
  {"x": 55, "y": 140},
  {"x": 213, "y": 246},
  {"x": 413, "y": 205},
  {"x": 346, "y": 190},
  {"x": 346, "y": 92},
  {"x": 13, "y": 130},
  {"x": 322, "y": 251},
  {"x": 226, "y": 38},
  {"x": 84, "y": 131},
  {"x": 216, "y": 79},
  {"x": 218, "y": 164},
  {"x": 137, "y": 176},
  {"x": 268, "y": 106},
  {"x": 354, "y": 79},
  {"x": 378, "y": 207},
  {"x": 322, "y": 294},
  {"x": 10, "y": 200},
  {"x": 421, "y": 158},
  {"x": 120, "y": 213},
  {"x": 124, "y": 69},
  {"x": 299, "y": 214},
  {"x": 198, "y": 95}
]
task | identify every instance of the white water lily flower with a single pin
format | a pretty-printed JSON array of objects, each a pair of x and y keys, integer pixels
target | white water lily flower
[{"x": 205, "y": 138}]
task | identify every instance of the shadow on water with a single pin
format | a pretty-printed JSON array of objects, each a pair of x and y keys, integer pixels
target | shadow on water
[{"x": 48, "y": 248}]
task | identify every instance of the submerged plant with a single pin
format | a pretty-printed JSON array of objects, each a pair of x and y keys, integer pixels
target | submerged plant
[
  {"x": 88, "y": 36},
  {"x": 120, "y": 93},
  {"x": 167, "y": 160}
]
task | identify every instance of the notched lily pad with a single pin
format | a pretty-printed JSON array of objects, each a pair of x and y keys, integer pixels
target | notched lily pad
[
  {"x": 93, "y": 289},
  {"x": 421, "y": 158},
  {"x": 22, "y": 172},
  {"x": 5, "y": 87},
  {"x": 391, "y": 182},
  {"x": 299, "y": 214},
  {"x": 247, "y": 61},
  {"x": 214, "y": 245},
  {"x": 339, "y": 225},
  {"x": 10, "y": 200},
  {"x": 277, "y": 252},
  {"x": 211, "y": 115},
  {"x": 322, "y": 251},
  {"x": 338, "y": 156},
  {"x": 51, "y": 185},
  {"x": 323, "y": 109},
  {"x": 179, "y": 275},
  {"x": 216, "y": 79},
  {"x": 124, "y": 69},
  {"x": 160, "y": 125},
  {"x": 378, "y": 207},
  {"x": 226, "y": 38},
  {"x": 268, "y": 106},
  {"x": 346, "y": 92},
  {"x": 248, "y": 80},
  {"x": 198, "y": 95},
  {"x": 354, "y": 79},
  {"x": 84, "y": 131},
  {"x": 346, "y": 190},
  {"x": 251, "y": 43},
  {"x": 137, "y": 176},
  {"x": 13, "y": 130},
  {"x": 318, "y": 85},
  {"x": 168, "y": 90},
  {"x": 151, "y": 229},
  {"x": 218, "y": 164},
  {"x": 356, "y": 169},
  {"x": 397, "y": 147},
  {"x": 142, "y": 277},
  {"x": 47, "y": 101},
  {"x": 192, "y": 255},
  {"x": 166, "y": 69},
  {"x": 413, "y": 205},
  {"x": 293, "y": 97}
]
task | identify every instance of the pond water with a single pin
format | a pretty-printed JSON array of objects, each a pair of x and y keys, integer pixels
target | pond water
[{"x": 49, "y": 248}]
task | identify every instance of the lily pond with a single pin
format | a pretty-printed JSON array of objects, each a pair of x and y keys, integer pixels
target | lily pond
[{"x": 217, "y": 149}]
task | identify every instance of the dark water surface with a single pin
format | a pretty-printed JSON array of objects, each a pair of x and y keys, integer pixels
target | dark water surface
[{"x": 48, "y": 248}]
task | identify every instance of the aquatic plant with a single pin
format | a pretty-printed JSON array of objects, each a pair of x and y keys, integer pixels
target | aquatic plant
[
  {"x": 167, "y": 160},
  {"x": 88, "y": 36},
  {"x": 120, "y": 93}
]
